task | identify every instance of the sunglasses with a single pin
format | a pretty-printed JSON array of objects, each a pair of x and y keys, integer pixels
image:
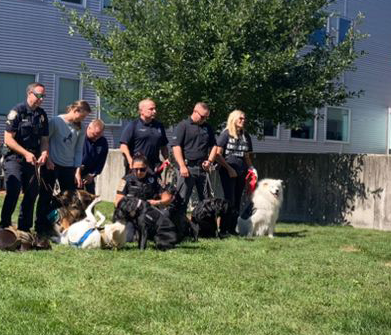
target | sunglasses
[
  {"x": 203, "y": 117},
  {"x": 144, "y": 169},
  {"x": 39, "y": 95},
  {"x": 242, "y": 118}
]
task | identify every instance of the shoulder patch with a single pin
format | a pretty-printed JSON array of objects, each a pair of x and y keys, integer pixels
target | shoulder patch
[
  {"x": 121, "y": 185},
  {"x": 12, "y": 115}
]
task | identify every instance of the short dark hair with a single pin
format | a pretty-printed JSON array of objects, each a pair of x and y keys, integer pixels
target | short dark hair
[{"x": 30, "y": 87}]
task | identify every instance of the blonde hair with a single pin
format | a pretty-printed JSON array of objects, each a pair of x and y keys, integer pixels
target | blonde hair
[{"x": 232, "y": 118}]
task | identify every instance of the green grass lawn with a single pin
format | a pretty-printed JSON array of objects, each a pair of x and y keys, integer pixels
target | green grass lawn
[{"x": 308, "y": 280}]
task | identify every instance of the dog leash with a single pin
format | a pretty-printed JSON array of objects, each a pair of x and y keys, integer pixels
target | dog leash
[{"x": 209, "y": 185}]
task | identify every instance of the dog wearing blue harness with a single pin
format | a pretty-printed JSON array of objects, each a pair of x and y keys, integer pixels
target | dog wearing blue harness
[{"x": 89, "y": 233}]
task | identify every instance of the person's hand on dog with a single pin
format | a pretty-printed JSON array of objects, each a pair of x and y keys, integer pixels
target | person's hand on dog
[
  {"x": 184, "y": 171},
  {"x": 154, "y": 202}
]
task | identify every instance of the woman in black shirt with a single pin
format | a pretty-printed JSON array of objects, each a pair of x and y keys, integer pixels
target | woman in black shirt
[{"x": 233, "y": 154}]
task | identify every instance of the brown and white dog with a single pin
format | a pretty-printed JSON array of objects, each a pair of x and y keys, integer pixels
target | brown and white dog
[
  {"x": 88, "y": 233},
  {"x": 69, "y": 207}
]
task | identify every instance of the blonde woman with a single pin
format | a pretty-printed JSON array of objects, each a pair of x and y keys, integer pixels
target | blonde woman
[{"x": 233, "y": 154}]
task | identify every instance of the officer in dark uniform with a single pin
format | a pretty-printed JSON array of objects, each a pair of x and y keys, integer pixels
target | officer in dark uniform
[
  {"x": 192, "y": 142},
  {"x": 144, "y": 135},
  {"x": 141, "y": 183},
  {"x": 26, "y": 140}
]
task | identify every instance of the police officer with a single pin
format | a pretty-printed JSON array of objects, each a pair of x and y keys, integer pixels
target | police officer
[
  {"x": 95, "y": 152},
  {"x": 26, "y": 138},
  {"x": 142, "y": 184},
  {"x": 192, "y": 140},
  {"x": 144, "y": 135}
]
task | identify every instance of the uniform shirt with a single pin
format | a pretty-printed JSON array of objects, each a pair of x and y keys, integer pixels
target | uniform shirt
[
  {"x": 194, "y": 139},
  {"x": 28, "y": 125},
  {"x": 234, "y": 149},
  {"x": 65, "y": 142},
  {"x": 144, "y": 189},
  {"x": 146, "y": 138},
  {"x": 94, "y": 155}
]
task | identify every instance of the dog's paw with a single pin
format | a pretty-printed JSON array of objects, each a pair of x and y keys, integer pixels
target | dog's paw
[{"x": 271, "y": 236}]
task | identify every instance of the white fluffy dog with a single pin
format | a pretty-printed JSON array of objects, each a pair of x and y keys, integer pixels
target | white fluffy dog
[
  {"x": 267, "y": 200},
  {"x": 88, "y": 234}
]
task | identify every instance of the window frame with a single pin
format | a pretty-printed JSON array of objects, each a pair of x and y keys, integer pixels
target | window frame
[
  {"x": 58, "y": 77},
  {"x": 98, "y": 102},
  {"x": 314, "y": 139},
  {"x": 67, "y": 3},
  {"x": 22, "y": 71},
  {"x": 349, "y": 124}
]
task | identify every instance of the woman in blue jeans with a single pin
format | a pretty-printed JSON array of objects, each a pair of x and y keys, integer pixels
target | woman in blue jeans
[{"x": 233, "y": 154}]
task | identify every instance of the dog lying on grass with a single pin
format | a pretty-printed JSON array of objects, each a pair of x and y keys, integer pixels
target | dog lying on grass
[
  {"x": 267, "y": 200},
  {"x": 89, "y": 233},
  {"x": 69, "y": 207},
  {"x": 149, "y": 222},
  {"x": 214, "y": 217}
]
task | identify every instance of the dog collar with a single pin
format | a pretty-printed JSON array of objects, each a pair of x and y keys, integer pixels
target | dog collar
[{"x": 83, "y": 238}]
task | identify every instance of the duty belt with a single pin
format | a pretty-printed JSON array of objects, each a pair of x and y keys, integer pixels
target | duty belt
[{"x": 195, "y": 162}]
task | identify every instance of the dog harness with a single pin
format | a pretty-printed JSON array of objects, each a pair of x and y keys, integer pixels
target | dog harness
[{"x": 83, "y": 238}]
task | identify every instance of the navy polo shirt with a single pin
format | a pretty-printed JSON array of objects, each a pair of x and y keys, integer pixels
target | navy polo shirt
[
  {"x": 194, "y": 139},
  {"x": 94, "y": 155},
  {"x": 146, "y": 138},
  {"x": 28, "y": 125}
]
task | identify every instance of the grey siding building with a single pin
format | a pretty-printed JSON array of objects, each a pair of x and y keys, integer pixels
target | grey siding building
[{"x": 35, "y": 46}]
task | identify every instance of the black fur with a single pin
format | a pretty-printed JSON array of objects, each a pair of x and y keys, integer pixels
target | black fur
[
  {"x": 205, "y": 215},
  {"x": 176, "y": 211},
  {"x": 150, "y": 223}
]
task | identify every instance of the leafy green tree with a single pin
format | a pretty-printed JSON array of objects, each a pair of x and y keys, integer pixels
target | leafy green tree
[{"x": 252, "y": 55}]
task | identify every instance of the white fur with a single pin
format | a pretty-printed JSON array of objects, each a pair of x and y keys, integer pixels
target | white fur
[
  {"x": 267, "y": 199},
  {"x": 114, "y": 234}
]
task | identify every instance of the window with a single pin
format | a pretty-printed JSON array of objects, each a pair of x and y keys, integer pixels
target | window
[
  {"x": 104, "y": 108},
  {"x": 343, "y": 28},
  {"x": 13, "y": 89},
  {"x": 318, "y": 37},
  {"x": 107, "y": 3},
  {"x": 68, "y": 92},
  {"x": 305, "y": 130},
  {"x": 269, "y": 129},
  {"x": 79, "y": 2},
  {"x": 337, "y": 124}
]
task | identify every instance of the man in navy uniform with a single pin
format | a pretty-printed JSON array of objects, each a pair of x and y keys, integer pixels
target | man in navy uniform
[
  {"x": 95, "y": 152},
  {"x": 144, "y": 135},
  {"x": 192, "y": 145},
  {"x": 26, "y": 140}
]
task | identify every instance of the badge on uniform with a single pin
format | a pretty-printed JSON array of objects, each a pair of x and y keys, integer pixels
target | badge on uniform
[
  {"x": 12, "y": 115},
  {"x": 150, "y": 179},
  {"x": 42, "y": 119}
]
